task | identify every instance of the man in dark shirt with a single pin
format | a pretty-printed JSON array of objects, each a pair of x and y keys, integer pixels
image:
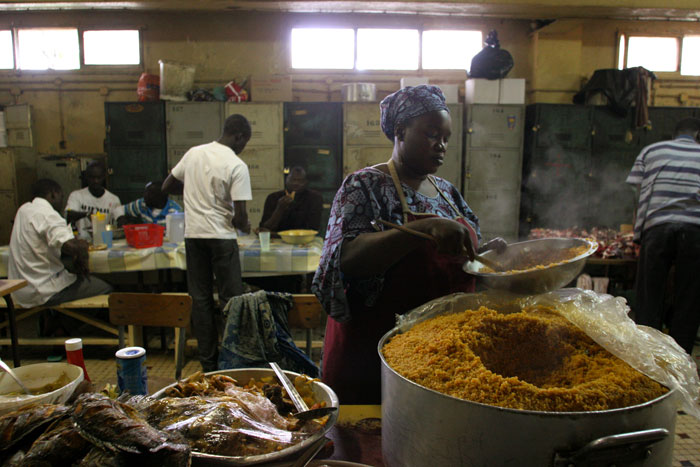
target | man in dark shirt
[{"x": 295, "y": 207}]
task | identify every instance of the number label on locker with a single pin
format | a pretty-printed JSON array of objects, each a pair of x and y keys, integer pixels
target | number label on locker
[
  {"x": 265, "y": 122},
  {"x": 496, "y": 169},
  {"x": 359, "y": 157},
  {"x": 174, "y": 156},
  {"x": 266, "y": 167},
  {"x": 496, "y": 210},
  {"x": 363, "y": 125}
]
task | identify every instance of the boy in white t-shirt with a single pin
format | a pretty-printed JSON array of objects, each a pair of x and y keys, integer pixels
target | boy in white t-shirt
[
  {"x": 91, "y": 199},
  {"x": 216, "y": 187}
]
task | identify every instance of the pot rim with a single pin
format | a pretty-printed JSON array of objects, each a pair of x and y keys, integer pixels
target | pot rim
[{"x": 592, "y": 413}]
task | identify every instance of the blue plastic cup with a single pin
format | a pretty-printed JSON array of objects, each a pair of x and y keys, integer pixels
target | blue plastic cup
[{"x": 107, "y": 237}]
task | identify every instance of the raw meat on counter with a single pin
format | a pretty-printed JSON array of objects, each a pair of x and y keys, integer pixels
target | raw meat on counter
[{"x": 612, "y": 244}]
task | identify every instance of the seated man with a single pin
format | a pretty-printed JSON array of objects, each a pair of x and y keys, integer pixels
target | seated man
[
  {"x": 40, "y": 237},
  {"x": 91, "y": 199},
  {"x": 295, "y": 207},
  {"x": 151, "y": 209}
]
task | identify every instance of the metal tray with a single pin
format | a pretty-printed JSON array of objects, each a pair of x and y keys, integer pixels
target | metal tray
[
  {"x": 532, "y": 281},
  {"x": 322, "y": 393}
]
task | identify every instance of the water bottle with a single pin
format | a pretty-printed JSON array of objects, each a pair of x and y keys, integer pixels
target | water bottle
[{"x": 175, "y": 227}]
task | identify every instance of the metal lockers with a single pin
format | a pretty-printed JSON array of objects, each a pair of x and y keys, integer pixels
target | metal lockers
[
  {"x": 560, "y": 125},
  {"x": 256, "y": 206},
  {"x": 265, "y": 122},
  {"x": 495, "y": 126},
  {"x": 265, "y": 166},
  {"x": 493, "y": 169},
  {"x": 361, "y": 125},
  {"x": 359, "y": 157},
  {"x": 497, "y": 210},
  {"x": 135, "y": 123},
  {"x": 193, "y": 123}
]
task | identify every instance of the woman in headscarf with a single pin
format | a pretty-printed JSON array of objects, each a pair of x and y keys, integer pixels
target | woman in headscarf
[{"x": 366, "y": 276}]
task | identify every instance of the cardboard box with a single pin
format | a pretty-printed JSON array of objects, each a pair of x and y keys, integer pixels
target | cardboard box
[
  {"x": 18, "y": 116},
  {"x": 512, "y": 91},
  {"x": 271, "y": 88},
  {"x": 20, "y": 137},
  {"x": 481, "y": 91},
  {"x": 413, "y": 81}
]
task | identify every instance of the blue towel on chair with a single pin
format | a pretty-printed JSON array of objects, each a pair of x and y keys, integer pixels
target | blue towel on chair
[{"x": 257, "y": 332}]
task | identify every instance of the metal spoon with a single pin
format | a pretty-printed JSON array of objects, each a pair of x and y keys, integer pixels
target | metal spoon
[
  {"x": 303, "y": 412},
  {"x": 4, "y": 366},
  {"x": 485, "y": 261}
]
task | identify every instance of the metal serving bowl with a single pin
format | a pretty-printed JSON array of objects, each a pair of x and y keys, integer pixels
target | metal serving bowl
[
  {"x": 532, "y": 281},
  {"x": 322, "y": 393}
]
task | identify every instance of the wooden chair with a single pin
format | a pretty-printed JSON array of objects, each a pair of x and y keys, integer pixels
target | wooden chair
[
  {"x": 306, "y": 314},
  {"x": 145, "y": 309}
]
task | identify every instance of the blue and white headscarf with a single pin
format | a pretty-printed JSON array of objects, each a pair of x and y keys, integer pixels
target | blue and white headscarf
[{"x": 407, "y": 103}]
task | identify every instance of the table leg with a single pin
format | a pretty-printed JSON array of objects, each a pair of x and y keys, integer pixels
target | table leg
[{"x": 13, "y": 329}]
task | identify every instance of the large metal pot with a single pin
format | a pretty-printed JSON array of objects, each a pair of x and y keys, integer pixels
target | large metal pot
[
  {"x": 359, "y": 92},
  {"x": 423, "y": 427}
]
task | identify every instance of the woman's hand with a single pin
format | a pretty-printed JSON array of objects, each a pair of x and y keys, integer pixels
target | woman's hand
[
  {"x": 496, "y": 243},
  {"x": 452, "y": 238}
]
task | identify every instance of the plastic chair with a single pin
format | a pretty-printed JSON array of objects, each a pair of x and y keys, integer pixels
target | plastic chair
[{"x": 144, "y": 309}]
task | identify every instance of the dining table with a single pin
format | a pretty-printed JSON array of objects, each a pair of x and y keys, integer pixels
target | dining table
[
  {"x": 6, "y": 288},
  {"x": 280, "y": 259}
]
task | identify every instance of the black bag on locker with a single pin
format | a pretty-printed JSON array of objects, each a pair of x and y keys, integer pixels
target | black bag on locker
[{"x": 492, "y": 62}]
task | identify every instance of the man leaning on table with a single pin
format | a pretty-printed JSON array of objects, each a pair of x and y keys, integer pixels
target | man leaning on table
[
  {"x": 40, "y": 236},
  {"x": 216, "y": 187}
]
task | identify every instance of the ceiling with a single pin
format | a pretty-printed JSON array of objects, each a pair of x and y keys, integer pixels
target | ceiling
[{"x": 679, "y": 10}]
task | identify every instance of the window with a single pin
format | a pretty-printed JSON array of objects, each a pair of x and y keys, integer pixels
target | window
[
  {"x": 323, "y": 48},
  {"x": 653, "y": 53},
  {"x": 690, "y": 65},
  {"x": 48, "y": 49},
  {"x": 383, "y": 49},
  {"x": 118, "y": 47},
  {"x": 450, "y": 50},
  {"x": 621, "y": 53},
  {"x": 387, "y": 49},
  {"x": 7, "y": 55}
]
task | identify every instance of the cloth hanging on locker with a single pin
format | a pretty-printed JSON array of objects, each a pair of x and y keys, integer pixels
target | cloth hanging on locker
[{"x": 623, "y": 89}]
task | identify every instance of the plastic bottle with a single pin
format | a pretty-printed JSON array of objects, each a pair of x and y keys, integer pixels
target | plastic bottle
[
  {"x": 175, "y": 227},
  {"x": 99, "y": 221},
  {"x": 74, "y": 354}
]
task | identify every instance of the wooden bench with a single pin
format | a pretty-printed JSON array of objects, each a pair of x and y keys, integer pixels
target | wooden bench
[{"x": 72, "y": 309}]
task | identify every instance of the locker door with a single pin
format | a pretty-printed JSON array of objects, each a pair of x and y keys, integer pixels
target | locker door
[
  {"x": 361, "y": 124},
  {"x": 359, "y": 157},
  {"x": 492, "y": 169},
  {"x": 133, "y": 167},
  {"x": 7, "y": 174},
  {"x": 663, "y": 122},
  {"x": 8, "y": 210},
  {"x": 612, "y": 131},
  {"x": 563, "y": 125},
  {"x": 174, "y": 156},
  {"x": 265, "y": 122},
  {"x": 497, "y": 210},
  {"x": 193, "y": 123},
  {"x": 135, "y": 123},
  {"x": 495, "y": 126},
  {"x": 614, "y": 199},
  {"x": 255, "y": 207},
  {"x": 312, "y": 123},
  {"x": 322, "y": 165},
  {"x": 265, "y": 167}
]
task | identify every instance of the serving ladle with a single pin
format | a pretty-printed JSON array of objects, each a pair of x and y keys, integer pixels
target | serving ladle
[
  {"x": 9, "y": 371},
  {"x": 490, "y": 263},
  {"x": 303, "y": 411}
]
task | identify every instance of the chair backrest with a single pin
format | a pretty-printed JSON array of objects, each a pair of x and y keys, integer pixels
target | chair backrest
[
  {"x": 306, "y": 312},
  {"x": 147, "y": 309}
]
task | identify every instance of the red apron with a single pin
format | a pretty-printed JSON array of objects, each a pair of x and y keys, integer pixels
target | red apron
[{"x": 351, "y": 364}]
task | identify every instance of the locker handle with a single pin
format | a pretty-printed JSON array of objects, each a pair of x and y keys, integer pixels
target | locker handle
[
  {"x": 470, "y": 130},
  {"x": 536, "y": 128}
]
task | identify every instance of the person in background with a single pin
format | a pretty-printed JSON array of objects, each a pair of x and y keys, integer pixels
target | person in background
[
  {"x": 367, "y": 275},
  {"x": 667, "y": 225},
  {"x": 39, "y": 239},
  {"x": 90, "y": 200},
  {"x": 151, "y": 209},
  {"x": 295, "y": 207},
  {"x": 216, "y": 188}
]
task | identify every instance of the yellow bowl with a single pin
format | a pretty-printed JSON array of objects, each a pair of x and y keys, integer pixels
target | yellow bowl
[{"x": 297, "y": 236}]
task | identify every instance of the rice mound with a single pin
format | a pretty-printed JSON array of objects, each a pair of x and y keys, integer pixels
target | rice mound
[{"x": 531, "y": 360}]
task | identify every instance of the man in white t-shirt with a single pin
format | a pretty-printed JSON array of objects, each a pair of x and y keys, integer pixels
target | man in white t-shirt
[
  {"x": 91, "y": 199},
  {"x": 39, "y": 237},
  {"x": 216, "y": 187}
]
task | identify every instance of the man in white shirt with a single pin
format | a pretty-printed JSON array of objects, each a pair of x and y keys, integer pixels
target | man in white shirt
[
  {"x": 91, "y": 199},
  {"x": 39, "y": 237},
  {"x": 216, "y": 187}
]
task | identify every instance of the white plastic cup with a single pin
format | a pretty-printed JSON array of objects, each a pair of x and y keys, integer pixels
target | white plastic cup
[{"x": 264, "y": 241}]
